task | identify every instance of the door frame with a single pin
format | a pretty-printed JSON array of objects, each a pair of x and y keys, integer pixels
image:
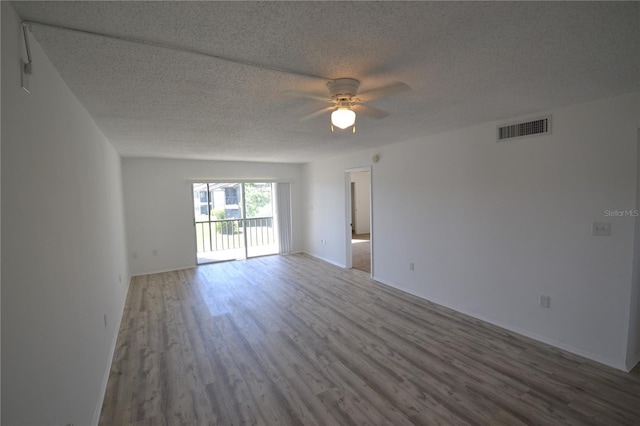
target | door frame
[{"x": 348, "y": 224}]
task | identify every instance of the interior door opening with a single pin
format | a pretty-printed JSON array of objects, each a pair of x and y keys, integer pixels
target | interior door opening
[
  {"x": 359, "y": 240},
  {"x": 234, "y": 220}
]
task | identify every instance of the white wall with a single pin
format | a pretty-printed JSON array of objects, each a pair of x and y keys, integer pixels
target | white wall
[
  {"x": 633, "y": 347},
  {"x": 362, "y": 201},
  {"x": 159, "y": 206},
  {"x": 63, "y": 246},
  {"x": 494, "y": 225},
  {"x": 0, "y": 253}
]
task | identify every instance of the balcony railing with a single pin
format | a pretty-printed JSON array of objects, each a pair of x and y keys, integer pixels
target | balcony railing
[{"x": 228, "y": 234}]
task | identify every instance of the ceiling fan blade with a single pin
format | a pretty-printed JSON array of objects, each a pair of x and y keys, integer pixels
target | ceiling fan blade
[
  {"x": 307, "y": 95},
  {"x": 316, "y": 113},
  {"x": 390, "y": 90},
  {"x": 370, "y": 111}
]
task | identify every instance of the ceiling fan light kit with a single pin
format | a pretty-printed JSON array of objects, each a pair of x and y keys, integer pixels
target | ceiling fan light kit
[
  {"x": 343, "y": 118},
  {"x": 342, "y": 92}
]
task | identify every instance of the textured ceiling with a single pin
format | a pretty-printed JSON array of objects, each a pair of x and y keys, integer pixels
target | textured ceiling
[{"x": 467, "y": 63}]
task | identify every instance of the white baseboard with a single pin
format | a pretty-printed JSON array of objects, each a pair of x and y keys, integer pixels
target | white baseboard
[
  {"x": 585, "y": 354},
  {"x": 633, "y": 362},
  {"x": 324, "y": 259},
  {"x": 112, "y": 351},
  {"x": 161, "y": 271}
]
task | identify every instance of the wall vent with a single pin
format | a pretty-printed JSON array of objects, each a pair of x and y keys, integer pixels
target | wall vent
[{"x": 539, "y": 126}]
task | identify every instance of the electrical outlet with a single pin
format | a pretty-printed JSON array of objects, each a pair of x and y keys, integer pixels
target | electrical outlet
[
  {"x": 602, "y": 229},
  {"x": 411, "y": 266},
  {"x": 544, "y": 301}
]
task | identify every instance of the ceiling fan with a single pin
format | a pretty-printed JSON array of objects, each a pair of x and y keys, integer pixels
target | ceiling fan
[{"x": 343, "y": 94}]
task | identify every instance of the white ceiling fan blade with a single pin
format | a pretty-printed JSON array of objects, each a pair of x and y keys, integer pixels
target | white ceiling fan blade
[
  {"x": 390, "y": 90},
  {"x": 316, "y": 113},
  {"x": 370, "y": 111},
  {"x": 301, "y": 94}
]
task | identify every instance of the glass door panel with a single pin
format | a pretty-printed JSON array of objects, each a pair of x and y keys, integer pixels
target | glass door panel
[
  {"x": 260, "y": 219},
  {"x": 218, "y": 214}
]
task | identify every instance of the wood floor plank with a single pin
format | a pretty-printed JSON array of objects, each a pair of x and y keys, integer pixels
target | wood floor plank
[{"x": 291, "y": 340}]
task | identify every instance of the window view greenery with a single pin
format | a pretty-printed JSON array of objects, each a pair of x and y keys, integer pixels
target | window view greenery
[{"x": 257, "y": 197}]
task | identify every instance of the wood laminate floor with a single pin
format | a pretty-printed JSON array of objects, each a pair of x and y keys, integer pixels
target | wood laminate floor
[{"x": 290, "y": 340}]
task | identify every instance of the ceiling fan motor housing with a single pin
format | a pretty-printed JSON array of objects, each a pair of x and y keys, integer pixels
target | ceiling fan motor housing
[{"x": 343, "y": 89}]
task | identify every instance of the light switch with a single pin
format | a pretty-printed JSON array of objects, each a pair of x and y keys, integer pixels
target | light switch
[
  {"x": 602, "y": 229},
  {"x": 544, "y": 301}
]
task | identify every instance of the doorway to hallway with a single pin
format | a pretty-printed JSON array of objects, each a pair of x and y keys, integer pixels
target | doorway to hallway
[{"x": 359, "y": 219}]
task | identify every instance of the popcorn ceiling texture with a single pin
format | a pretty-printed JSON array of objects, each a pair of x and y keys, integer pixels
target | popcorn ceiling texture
[{"x": 467, "y": 63}]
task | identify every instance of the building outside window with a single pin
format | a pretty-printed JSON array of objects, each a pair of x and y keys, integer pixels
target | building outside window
[{"x": 231, "y": 196}]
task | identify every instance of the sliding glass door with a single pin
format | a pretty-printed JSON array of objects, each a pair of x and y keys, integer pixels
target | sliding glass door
[
  {"x": 234, "y": 220},
  {"x": 260, "y": 219}
]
